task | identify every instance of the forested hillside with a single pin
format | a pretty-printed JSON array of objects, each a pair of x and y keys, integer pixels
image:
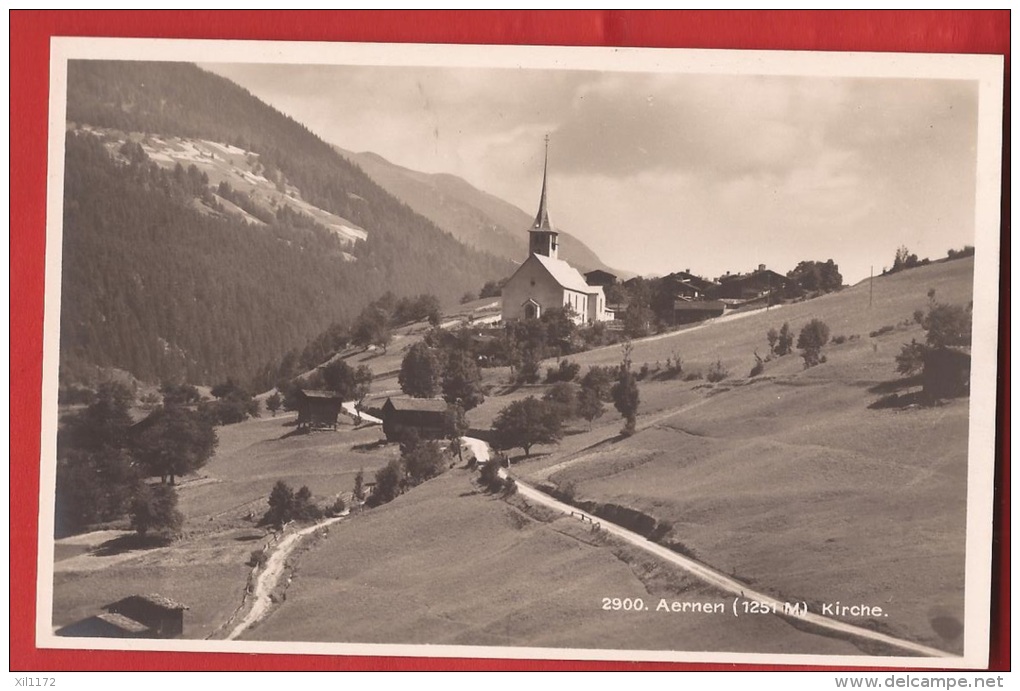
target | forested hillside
[{"x": 156, "y": 284}]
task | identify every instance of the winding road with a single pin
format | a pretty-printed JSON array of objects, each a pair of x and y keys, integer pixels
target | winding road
[
  {"x": 269, "y": 578},
  {"x": 708, "y": 575}
]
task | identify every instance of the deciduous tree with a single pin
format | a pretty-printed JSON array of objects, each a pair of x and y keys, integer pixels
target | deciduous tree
[
  {"x": 420, "y": 372},
  {"x": 526, "y": 423}
]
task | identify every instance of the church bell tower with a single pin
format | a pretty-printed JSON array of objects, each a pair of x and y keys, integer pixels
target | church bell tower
[{"x": 544, "y": 239}]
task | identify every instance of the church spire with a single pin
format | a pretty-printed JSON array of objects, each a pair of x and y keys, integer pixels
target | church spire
[
  {"x": 542, "y": 221},
  {"x": 544, "y": 238}
]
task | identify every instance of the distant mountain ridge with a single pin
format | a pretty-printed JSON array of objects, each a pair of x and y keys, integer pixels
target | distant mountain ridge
[{"x": 474, "y": 217}]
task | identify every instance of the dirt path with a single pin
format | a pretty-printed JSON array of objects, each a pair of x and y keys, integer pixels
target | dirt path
[
  {"x": 267, "y": 581},
  {"x": 741, "y": 591}
]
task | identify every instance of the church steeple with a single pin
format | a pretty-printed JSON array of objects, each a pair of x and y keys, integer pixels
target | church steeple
[{"x": 544, "y": 239}]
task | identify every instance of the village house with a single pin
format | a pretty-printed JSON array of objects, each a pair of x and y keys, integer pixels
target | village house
[
  {"x": 426, "y": 416},
  {"x": 757, "y": 284},
  {"x": 544, "y": 281},
  {"x": 318, "y": 409}
]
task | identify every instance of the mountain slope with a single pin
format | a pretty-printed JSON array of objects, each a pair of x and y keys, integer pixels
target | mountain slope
[
  {"x": 137, "y": 294},
  {"x": 474, "y": 217}
]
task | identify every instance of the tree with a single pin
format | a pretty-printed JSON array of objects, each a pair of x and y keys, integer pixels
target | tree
[
  {"x": 462, "y": 380},
  {"x": 526, "y": 423},
  {"x": 419, "y": 372},
  {"x": 281, "y": 505},
  {"x": 780, "y": 342},
  {"x": 946, "y": 326},
  {"x": 589, "y": 405},
  {"x": 179, "y": 394},
  {"x": 105, "y": 422},
  {"x": 362, "y": 386},
  {"x": 389, "y": 483},
  {"x": 813, "y": 336},
  {"x": 563, "y": 397},
  {"x": 491, "y": 289},
  {"x": 626, "y": 398},
  {"x": 424, "y": 461},
  {"x": 812, "y": 276},
  {"x": 174, "y": 441},
  {"x": 599, "y": 380},
  {"x": 359, "y": 485},
  {"x": 92, "y": 486},
  {"x": 372, "y": 328},
  {"x": 455, "y": 425},
  {"x": 273, "y": 402},
  {"x": 154, "y": 513}
]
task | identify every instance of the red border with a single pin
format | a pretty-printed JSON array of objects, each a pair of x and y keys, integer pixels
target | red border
[{"x": 903, "y": 31}]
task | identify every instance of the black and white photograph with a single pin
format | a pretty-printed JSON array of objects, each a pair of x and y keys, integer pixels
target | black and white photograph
[{"x": 520, "y": 352}]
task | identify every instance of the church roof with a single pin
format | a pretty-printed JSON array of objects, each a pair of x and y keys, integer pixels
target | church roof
[
  {"x": 542, "y": 222},
  {"x": 567, "y": 276}
]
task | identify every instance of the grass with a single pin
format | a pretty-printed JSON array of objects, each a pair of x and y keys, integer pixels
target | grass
[
  {"x": 787, "y": 480},
  {"x": 790, "y": 480},
  {"x": 207, "y": 569},
  {"x": 444, "y": 564}
]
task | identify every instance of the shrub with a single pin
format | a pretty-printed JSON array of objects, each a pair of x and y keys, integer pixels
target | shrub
[
  {"x": 780, "y": 342},
  {"x": 423, "y": 462},
  {"x": 717, "y": 372},
  {"x": 888, "y": 328},
  {"x": 694, "y": 375},
  {"x": 838, "y": 340},
  {"x": 489, "y": 476},
  {"x": 338, "y": 507},
  {"x": 567, "y": 371},
  {"x": 627, "y": 398},
  {"x": 813, "y": 336}
]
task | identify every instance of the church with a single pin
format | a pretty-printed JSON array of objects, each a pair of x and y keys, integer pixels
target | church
[{"x": 544, "y": 281}]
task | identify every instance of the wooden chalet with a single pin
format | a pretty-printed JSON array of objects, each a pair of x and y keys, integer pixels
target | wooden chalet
[
  {"x": 427, "y": 416},
  {"x": 318, "y": 409},
  {"x": 598, "y": 277},
  {"x": 756, "y": 284}
]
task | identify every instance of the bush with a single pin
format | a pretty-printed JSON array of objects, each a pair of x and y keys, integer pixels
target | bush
[
  {"x": 838, "y": 340},
  {"x": 717, "y": 372},
  {"x": 423, "y": 462},
  {"x": 694, "y": 375},
  {"x": 489, "y": 476},
  {"x": 813, "y": 337},
  {"x": 567, "y": 371},
  {"x": 882, "y": 331},
  {"x": 780, "y": 342}
]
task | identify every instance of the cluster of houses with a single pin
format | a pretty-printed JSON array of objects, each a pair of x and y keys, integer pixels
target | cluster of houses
[{"x": 544, "y": 281}]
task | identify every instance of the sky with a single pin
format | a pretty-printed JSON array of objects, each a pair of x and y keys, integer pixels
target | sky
[{"x": 659, "y": 172}]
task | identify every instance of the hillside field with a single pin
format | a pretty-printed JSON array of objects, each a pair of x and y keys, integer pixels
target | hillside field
[{"x": 787, "y": 481}]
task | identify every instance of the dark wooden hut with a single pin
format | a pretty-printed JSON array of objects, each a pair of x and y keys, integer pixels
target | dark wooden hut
[
  {"x": 318, "y": 409},
  {"x": 427, "y": 416},
  {"x": 163, "y": 617}
]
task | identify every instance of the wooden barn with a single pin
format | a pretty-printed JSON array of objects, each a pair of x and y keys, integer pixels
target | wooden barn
[
  {"x": 427, "y": 416},
  {"x": 318, "y": 409},
  {"x": 946, "y": 372},
  {"x": 161, "y": 616}
]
